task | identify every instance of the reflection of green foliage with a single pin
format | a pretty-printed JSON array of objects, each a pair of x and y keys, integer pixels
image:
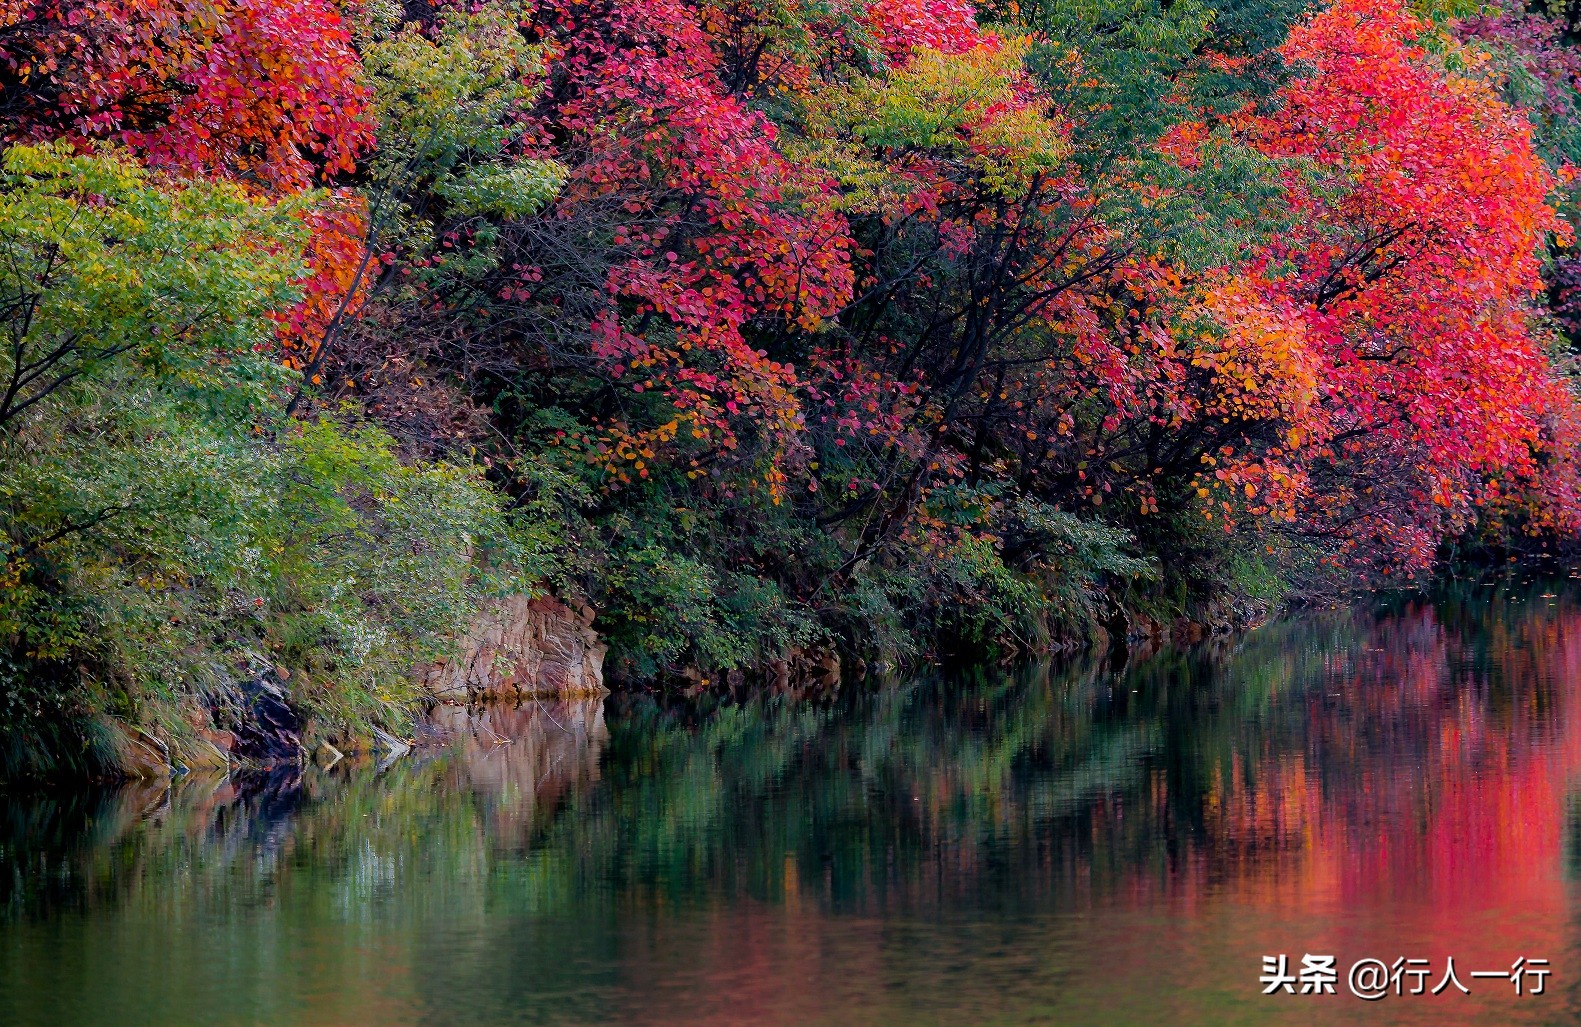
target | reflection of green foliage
[
  {"x": 693, "y": 800},
  {"x": 990, "y": 792}
]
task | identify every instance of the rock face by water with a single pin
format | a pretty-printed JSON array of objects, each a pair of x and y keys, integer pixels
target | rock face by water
[
  {"x": 254, "y": 720},
  {"x": 521, "y": 647}
]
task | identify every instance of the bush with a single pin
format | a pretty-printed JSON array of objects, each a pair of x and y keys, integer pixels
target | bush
[{"x": 163, "y": 528}]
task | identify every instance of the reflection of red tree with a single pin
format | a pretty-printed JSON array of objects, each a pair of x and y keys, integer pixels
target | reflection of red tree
[{"x": 1441, "y": 801}]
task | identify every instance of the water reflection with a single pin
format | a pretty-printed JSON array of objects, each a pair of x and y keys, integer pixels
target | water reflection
[{"x": 1070, "y": 844}]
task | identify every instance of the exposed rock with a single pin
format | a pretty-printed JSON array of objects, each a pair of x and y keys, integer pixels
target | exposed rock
[
  {"x": 208, "y": 751},
  {"x": 521, "y": 647},
  {"x": 803, "y": 669},
  {"x": 141, "y": 756},
  {"x": 256, "y": 717},
  {"x": 204, "y": 747}
]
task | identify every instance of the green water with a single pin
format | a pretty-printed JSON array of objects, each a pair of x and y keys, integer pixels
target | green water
[{"x": 1074, "y": 844}]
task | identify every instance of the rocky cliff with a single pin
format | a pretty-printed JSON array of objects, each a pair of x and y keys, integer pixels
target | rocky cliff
[{"x": 521, "y": 647}]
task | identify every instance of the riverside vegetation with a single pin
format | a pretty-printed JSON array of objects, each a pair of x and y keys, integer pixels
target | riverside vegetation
[{"x": 896, "y": 328}]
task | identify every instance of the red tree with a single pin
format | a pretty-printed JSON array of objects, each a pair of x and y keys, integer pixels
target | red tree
[{"x": 1423, "y": 210}]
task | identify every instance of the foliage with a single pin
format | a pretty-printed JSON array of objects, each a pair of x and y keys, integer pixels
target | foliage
[
  {"x": 162, "y": 531},
  {"x": 831, "y": 303},
  {"x": 893, "y": 326},
  {"x": 265, "y": 94},
  {"x": 100, "y": 265},
  {"x": 1418, "y": 277},
  {"x": 242, "y": 89}
]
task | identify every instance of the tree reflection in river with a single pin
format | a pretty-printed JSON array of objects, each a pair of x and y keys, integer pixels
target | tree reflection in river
[{"x": 1072, "y": 843}]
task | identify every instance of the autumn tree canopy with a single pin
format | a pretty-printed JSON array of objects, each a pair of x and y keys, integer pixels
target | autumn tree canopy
[{"x": 883, "y": 325}]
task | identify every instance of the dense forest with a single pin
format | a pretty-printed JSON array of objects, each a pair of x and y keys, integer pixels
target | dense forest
[{"x": 896, "y": 328}]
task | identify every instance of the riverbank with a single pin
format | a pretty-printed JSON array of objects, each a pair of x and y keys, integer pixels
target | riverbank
[
  {"x": 1058, "y": 841},
  {"x": 878, "y": 342},
  {"x": 518, "y": 649},
  {"x": 531, "y": 650}
]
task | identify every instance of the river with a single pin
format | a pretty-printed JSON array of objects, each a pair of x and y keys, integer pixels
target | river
[{"x": 1080, "y": 843}]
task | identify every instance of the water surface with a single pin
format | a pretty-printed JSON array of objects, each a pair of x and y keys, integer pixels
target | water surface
[{"x": 1076, "y": 844}]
